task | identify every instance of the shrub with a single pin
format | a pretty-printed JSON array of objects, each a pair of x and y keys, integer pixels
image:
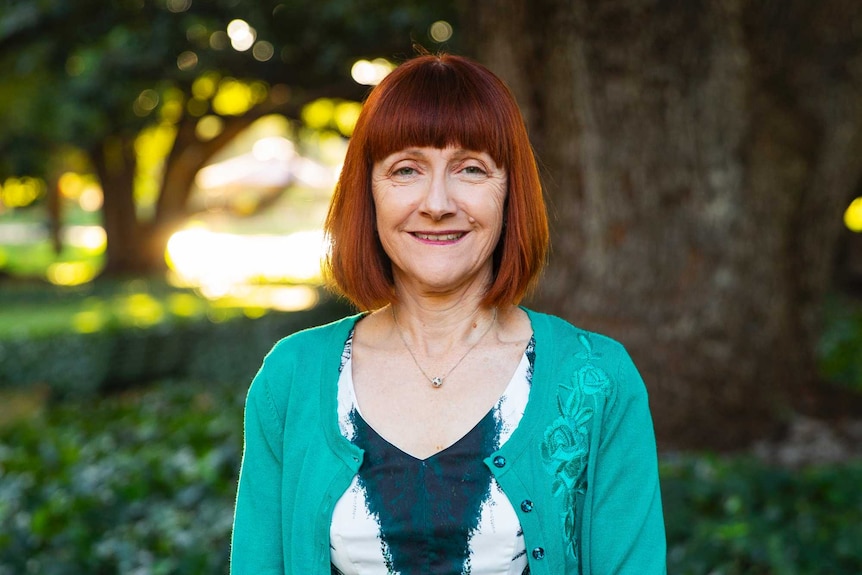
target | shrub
[
  {"x": 840, "y": 346},
  {"x": 738, "y": 516},
  {"x": 122, "y": 339},
  {"x": 143, "y": 481},
  {"x": 139, "y": 482}
]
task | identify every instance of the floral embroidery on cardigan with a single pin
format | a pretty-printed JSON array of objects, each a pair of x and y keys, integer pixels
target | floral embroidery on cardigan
[{"x": 566, "y": 443}]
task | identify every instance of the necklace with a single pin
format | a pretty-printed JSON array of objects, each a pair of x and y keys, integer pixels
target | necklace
[{"x": 438, "y": 380}]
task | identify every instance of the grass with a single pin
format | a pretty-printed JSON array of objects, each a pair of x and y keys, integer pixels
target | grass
[
  {"x": 30, "y": 260},
  {"x": 37, "y": 308}
]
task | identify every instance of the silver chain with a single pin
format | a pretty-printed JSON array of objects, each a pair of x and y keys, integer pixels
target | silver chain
[{"x": 438, "y": 381}]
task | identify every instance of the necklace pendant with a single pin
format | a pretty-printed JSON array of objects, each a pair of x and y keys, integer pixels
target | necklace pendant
[{"x": 437, "y": 381}]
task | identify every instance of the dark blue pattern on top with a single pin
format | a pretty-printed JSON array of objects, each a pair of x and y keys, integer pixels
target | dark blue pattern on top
[{"x": 427, "y": 509}]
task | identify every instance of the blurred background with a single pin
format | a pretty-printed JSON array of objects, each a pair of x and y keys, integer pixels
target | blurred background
[{"x": 165, "y": 168}]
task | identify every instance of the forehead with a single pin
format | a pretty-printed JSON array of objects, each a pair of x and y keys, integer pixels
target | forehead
[
  {"x": 439, "y": 108},
  {"x": 447, "y": 153}
]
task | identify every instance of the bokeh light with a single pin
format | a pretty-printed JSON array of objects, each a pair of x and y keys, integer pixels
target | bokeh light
[
  {"x": 91, "y": 238},
  {"x": 179, "y": 5},
  {"x": 146, "y": 102},
  {"x": 853, "y": 216},
  {"x": 242, "y": 36},
  {"x": 204, "y": 87},
  {"x": 272, "y": 148},
  {"x": 143, "y": 309},
  {"x": 71, "y": 184},
  {"x": 327, "y": 113},
  {"x": 71, "y": 273},
  {"x": 21, "y": 192},
  {"x": 257, "y": 299},
  {"x": 219, "y": 40},
  {"x": 208, "y": 127},
  {"x": 91, "y": 199},
  {"x": 197, "y": 33},
  {"x": 370, "y": 73},
  {"x": 234, "y": 97},
  {"x": 89, "y": 321},
  {"x": 345, "y": 115},
  {"x": 317, "y": 114},
  {"x": 187, "y": 60},
  {"x": 223, "y": 264},
  {"x": 171, "y": 109},
  {"x": 263, "y": 51},
  {"x": 440, "y": 31},
  {"x": 185, "y": 305}
]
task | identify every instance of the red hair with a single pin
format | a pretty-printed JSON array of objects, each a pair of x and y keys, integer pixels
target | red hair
[{"x": 436, "y": 101}]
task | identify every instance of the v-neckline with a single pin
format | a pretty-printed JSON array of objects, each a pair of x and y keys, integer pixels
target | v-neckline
[
  {"x": 347, "y": 372},
  {"x": 434, "y": 456}
]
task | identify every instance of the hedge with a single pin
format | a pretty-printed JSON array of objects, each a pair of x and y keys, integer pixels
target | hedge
[
  {"x": 225, "y": 346},
  {"x": 143, "y": 482}
]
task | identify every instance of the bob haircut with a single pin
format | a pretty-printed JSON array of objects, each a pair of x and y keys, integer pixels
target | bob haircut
[{"x": 436, "y": 101}]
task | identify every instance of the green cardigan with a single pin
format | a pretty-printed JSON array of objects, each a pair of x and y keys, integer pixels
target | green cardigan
[{"x": 580, "y": 469}]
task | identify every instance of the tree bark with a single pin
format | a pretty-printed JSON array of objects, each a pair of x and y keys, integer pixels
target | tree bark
[
  {"x": 697, "y": 156},
  {"x": 115, "y": 161}
]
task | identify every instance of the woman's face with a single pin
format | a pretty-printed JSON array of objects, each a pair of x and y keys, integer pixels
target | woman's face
[{"x": 439, "y": 217}]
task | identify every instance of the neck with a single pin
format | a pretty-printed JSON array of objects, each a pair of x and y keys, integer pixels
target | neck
[
  {"x": 437, "y": 379},
  {"x": 432, "y": 329}
]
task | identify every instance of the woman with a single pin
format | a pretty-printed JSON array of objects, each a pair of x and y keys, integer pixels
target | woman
[{"x": 446, "y": 429}]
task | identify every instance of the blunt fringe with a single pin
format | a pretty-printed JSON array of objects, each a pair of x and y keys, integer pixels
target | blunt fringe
[{"x": 436, "y": 101}]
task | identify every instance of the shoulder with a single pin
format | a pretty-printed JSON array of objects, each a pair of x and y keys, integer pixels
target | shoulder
[
  {"x": 300, "y": 357},
  {"x": 563, "y": 336},
  {"x": 308, "y": 344},
  {"x": 596, "y": 359}
]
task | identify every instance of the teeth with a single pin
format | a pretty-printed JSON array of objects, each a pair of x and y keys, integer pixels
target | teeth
[{"x": 438, "y": 237}]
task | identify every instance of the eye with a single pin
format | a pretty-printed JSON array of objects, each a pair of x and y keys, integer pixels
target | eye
[
  {"x": 404, "y": 171},
  {"x": 474, "y": 170}
]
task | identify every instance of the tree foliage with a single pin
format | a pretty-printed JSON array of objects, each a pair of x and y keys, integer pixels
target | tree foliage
[{"x": 93, "y": 75}]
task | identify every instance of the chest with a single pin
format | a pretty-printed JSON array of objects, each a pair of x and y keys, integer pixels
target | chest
[{"x": 402, "y": 405}]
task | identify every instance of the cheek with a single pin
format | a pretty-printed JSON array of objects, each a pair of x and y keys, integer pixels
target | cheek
[
  {"x": 500, "y": 196},
  {"x": 382, "y": 208},
  {"x": 386, "y": 215}
]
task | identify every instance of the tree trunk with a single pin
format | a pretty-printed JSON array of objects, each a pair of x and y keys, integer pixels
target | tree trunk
[
  {"x": 136, "y": 247},
  {"x": 115, "y": 163},
  {"x": 697, "y": 155},
  {"x": 186, "y": 158}
]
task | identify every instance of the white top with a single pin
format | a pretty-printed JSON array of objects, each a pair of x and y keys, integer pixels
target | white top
[{"x": 444, "y": 514}]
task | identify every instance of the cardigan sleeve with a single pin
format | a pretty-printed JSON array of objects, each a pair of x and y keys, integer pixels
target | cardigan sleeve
[
  {"x": 627, "y": 534},
  {"x": 256, "y": 546}
]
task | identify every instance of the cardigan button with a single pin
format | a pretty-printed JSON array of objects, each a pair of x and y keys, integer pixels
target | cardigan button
[
  {"x": 499, "y": 461},
  {"x": 526, "y": 505},
  {"x": 538, "y": 553}
]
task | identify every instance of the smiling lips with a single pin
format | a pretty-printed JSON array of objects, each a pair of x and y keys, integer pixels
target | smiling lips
[{"x": 445, "y": 237}]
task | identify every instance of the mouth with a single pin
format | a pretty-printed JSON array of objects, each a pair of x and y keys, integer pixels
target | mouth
[{"x": 444, "y": 237}]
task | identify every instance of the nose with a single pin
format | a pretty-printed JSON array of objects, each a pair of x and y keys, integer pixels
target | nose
[{"x": 437, "y": 202}]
